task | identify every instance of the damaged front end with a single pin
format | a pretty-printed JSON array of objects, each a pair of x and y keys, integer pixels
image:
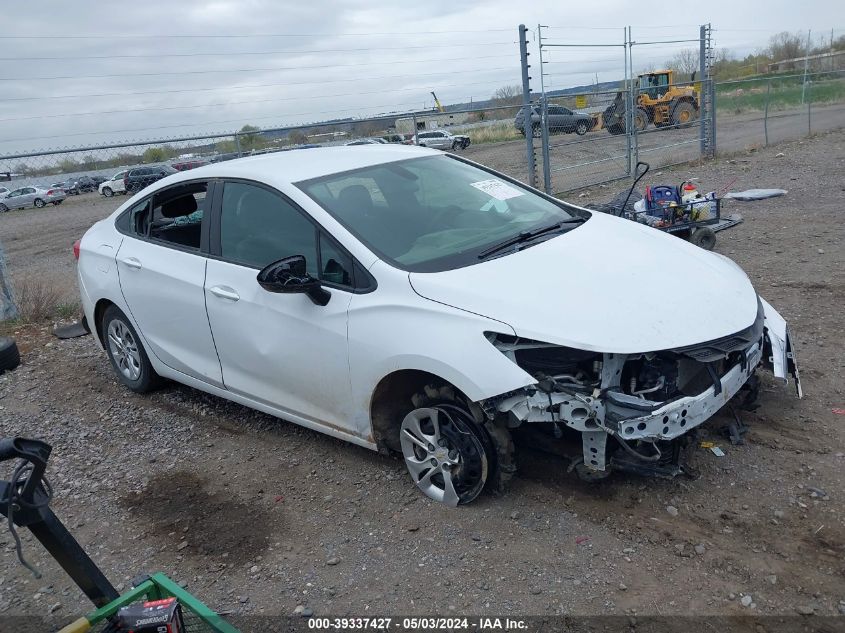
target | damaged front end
[{"x": 649, "y": 403}]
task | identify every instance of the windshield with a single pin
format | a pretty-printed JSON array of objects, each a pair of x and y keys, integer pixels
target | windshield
[{"x": 433, "y": 213}]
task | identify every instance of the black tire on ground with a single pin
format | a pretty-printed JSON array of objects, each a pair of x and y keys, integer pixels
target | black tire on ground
[
  {"x": 465, "y": 143},
  {"x": 683, "y": 114},
  {"x": 39, "y": 203},
  {"x": 107, "y": 192},
  {"x": 147, "y": 379},
  {"x": 456, "y": 145},
  {"x": 640, "y": 120},
  {"x": 536, "y": 130},
  {"x": 582, "y": 128},
  {"x": 10, "y": 356},
  {"x": 3, "y": 208},
  {"x": 616, "y": 129},
  {"x": 703, "y": 237}
]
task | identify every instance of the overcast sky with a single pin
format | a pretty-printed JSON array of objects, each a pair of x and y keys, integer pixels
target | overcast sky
[{"x": 211, "y": 66}]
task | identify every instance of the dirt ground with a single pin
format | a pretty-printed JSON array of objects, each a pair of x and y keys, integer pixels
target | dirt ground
[{"x": 258, "y": 516}]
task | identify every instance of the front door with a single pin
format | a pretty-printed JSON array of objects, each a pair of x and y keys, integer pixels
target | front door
[
  {"x": 282, "y": 350},
  {"x": 162, "y": 272}
]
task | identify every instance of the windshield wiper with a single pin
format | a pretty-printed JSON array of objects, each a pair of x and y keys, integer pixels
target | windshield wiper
[{"x": 527, "y": 236}]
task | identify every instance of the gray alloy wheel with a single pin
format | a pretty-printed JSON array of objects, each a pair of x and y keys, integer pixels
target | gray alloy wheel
[
  {"x": 3, "y": 208},
  {"x": 445, "y": 458},
  {"x": 107, "y": 192},
  {"x": 39, "y": 203},
  {"x": 581, "y": 128},
  {"x": 124, "y": 349}
]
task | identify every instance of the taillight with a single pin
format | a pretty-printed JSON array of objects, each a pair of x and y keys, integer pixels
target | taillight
[
  {"x": 51, "y": 192},
  {"x": 76, "y": 249}
]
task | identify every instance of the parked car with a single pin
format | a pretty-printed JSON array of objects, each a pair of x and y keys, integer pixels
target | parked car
[
  {"x": 31, "y": 197},
  {"x": 403, "y": 299},
  {"x": 184, "y": 165},
  {"x": 68, "y": 186},
  {"x": 113, "y": 185},
  {"x": 405, "y": 139},
  {"x": 441, "y": 139},
  {"x": 366, "y": 141},
  {"x": 140, "y": 177},
  {"x": 219, "y": 158},
  {"x": 3, "y": 191},
  {"x": 561, "y": 120},
  {"x": 99, "y": 179},
  {"x": 84, "y": 184}
]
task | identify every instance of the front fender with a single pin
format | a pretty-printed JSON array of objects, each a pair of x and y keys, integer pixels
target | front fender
[{"x": 780, "y": 357}]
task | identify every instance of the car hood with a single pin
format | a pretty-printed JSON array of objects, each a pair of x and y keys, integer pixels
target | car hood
[{"x": 610, "y": 285}]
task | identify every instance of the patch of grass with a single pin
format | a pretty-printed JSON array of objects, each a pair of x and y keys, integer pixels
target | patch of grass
[
  {"x": 494, "y": 133},
  {"x": 784, "y": 94}
]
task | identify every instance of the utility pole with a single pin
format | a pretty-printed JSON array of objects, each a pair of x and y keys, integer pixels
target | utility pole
[{"x": 806, "y": 65}]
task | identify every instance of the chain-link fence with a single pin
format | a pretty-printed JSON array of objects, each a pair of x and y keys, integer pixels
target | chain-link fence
[{"x": 755, "y": 112}]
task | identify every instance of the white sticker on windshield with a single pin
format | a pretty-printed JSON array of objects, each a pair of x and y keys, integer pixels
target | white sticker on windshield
[{"x": 497, "y": 189}]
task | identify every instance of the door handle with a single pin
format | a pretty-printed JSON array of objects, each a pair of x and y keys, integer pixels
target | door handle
[
  {"x": 132, "y": 262},
  {"x": 224, "y": 292}
]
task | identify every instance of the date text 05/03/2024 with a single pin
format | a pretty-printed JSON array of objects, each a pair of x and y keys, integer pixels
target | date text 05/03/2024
[{"x": 418, "y": 623}]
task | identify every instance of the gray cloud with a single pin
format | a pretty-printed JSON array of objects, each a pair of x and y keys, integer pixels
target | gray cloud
[{"x": 315, "y": 60}]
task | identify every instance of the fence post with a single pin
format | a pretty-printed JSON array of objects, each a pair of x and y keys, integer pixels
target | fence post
[
  {"x": 702, "y": 69},
  {"x": 416, "y": 140},
  {"x": 527, "y": 114},
  {"x": 766, "y": 112},
  {"x": 810, "y": 108},
  {"x": 712, "y": 115},
  {"x": 547, "y": 171},
  {"x": 238, "y": 144}
]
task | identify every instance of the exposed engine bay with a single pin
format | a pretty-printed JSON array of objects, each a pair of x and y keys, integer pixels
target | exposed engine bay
[{"x": 639, "y": 412}]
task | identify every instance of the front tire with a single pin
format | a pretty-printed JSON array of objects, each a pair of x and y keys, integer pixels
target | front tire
[
  {"x": 3, "y": 208},
  {"x": 445, "y": 454},
  {"x": 126, "y": 353},
  {"x": 536, "y": 131},
  {"x": 39, "y": 203},
  {"x": 582, "y": 128},
  {"x": 107, "y": 192}
]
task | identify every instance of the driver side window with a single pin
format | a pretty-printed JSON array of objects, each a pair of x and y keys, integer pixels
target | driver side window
[{"x": 259, "y": 227}]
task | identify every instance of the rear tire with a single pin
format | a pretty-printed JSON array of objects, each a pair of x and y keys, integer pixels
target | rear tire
[
  {"x": 3, "y": 208},
  {"x": 10, "y": 356},
  {"x": 39, "y": 203},
  {"x": 582, "y": 128},
  {"x": 640, "y": 120},
  {"x": 536, "y": 130},
  {"x": 107, "y": 192},
  {"x": 126, "y": 352}
]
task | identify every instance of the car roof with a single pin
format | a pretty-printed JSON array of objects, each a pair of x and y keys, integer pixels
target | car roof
[{"x": 290, "y": 167}]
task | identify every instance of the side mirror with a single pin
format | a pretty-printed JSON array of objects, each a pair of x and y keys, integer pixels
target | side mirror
[{"x": 289, "y": 275}]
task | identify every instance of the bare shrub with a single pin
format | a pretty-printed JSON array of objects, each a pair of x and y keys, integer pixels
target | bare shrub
[{"x": 37, "y": 298}]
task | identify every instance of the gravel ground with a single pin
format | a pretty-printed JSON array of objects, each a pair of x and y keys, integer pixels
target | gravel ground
[{"x": 258, "y": 516}]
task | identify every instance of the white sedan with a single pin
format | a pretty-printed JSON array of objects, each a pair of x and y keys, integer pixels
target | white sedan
[{"x": 408, "y": 300}]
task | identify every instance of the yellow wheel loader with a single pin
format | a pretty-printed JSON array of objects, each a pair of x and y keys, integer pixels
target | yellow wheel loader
[{"x": 659, "y": 101}]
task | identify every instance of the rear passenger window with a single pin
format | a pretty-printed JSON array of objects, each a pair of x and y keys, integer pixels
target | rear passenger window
[
  {"x": 177, "y": 215},
  {"x": 259, "y": 227}
]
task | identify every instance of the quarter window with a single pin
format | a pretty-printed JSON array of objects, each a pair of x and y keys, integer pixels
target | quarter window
[{"x": 177, "y": 215}]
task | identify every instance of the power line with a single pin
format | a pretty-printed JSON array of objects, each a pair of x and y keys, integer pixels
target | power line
[
  {"x": 240, "y": 53},
  {"x": 239, "y": 35},
  {"x": 229, "y": 103},
  {"x": 245, "y": 70}
]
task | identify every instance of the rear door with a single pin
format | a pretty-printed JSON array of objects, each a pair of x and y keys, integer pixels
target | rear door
[
  {"x": 282, "y": 350},
  {"x": 161, "y": 266}
]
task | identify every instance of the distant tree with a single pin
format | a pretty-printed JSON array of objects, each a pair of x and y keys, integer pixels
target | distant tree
[
  {"x": 225, "y": 147},
  {"x": 786, "y": 45},
  {"x": 22, "y": 168},
  {"x": 684, "y": 62},
  {"x": 297, "y": 137},
  {"x": 249, "y": 138},
  {"x": 68, "y": 164},
  {"x": 154, "y": 155},
  {"x": 507, "y": 94}
]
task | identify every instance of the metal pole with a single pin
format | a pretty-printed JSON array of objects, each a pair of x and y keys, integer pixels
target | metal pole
[
  {"x": 806, "y": 63},
  {"x": 238, "y": 144},
  {"x": 810, "y": 112},
  {"x": 702, "y": 68},
  {"x": 712, "y": 118},
  {"x": 528, "y": 118},
  {"x": 416, "y": 140},
  {"x": 626, "y": 90},
  {"x": 630, "y": 131},
  {"x": 766, "y": 112},
  {"x": 544, "y": 120}
]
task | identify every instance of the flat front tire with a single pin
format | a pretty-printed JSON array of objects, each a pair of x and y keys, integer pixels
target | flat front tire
[
  {"x": 445, "y": 454},
  {"x": 126, "y": 352}
]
